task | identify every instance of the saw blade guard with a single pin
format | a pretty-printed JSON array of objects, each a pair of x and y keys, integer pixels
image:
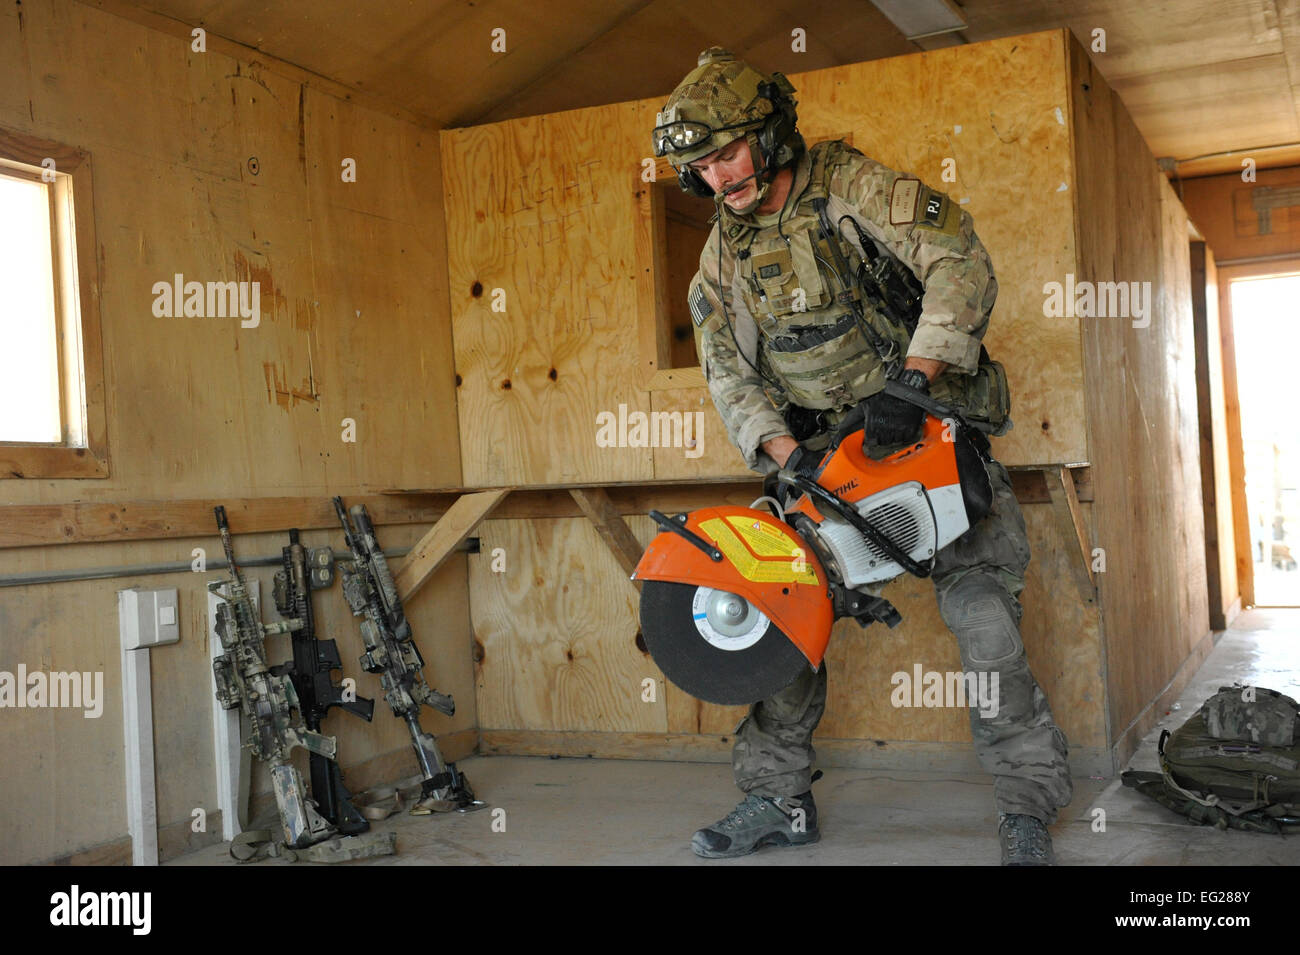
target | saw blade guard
[{"x": 761, "y": 559}]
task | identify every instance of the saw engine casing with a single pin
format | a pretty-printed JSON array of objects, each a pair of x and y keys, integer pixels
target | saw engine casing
[{"x": 922, "y": 498}]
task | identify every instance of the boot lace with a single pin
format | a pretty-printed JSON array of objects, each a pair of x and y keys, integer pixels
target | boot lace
[
  {"x": 750, "y": 806},
  {"x": 1025, "y": 835}
]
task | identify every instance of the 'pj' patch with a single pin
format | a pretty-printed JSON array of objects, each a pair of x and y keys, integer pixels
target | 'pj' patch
[{"x": 938, "y": 213}]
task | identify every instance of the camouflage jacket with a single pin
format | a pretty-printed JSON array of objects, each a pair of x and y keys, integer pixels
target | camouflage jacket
[{"x": 920, "y": 227}]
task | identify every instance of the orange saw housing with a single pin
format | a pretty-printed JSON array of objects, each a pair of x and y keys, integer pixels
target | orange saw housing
[{"x": 763, "y": 560}]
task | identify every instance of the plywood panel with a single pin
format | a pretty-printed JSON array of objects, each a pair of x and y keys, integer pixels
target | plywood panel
[
  {"x": 556, "y": 631},
  {"x": 1185, "y": 110},
  {"x": 713, "y": 454},
  {"x": 537, "y": 208},
  {"x": 1141, "y": 405}
]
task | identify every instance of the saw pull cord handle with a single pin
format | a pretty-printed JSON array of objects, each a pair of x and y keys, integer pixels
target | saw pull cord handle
[{"x": 849, "y": 513}]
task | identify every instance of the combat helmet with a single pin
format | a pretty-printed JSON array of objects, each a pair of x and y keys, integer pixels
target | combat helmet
[{"x": 719, "y": 101}]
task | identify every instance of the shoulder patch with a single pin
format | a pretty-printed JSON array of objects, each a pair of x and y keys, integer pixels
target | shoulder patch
[
  {"x": 903, "y": 201},
  {"x": 937, "y": 212},
  {"x": 701, "y": 307}
]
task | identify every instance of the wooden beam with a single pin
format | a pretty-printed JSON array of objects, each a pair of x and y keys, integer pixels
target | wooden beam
[
  {"x": 1069, "y": 515},
  {"x": 1031, "y": 483},
  {"x": 613, "y": 530},
  {"x": 41, "y": 525},
  {"x": 34, "y": 525},
  {"x": 1216, "y": 500},
  {"x": 435, "y": 547},
  {"x": 1242, "y": 544}
]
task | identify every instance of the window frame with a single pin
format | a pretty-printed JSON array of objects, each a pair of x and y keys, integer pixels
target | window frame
[
  {"x": 83, "y": 451},
  {"x": 652, "y": 329}
]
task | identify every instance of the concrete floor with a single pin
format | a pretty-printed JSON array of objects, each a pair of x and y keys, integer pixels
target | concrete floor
[{"x": 623, "y": 812}]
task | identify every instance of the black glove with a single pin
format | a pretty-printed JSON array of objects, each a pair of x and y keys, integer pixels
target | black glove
[
  {"x": 801, "y": 461},
  {"x": 892, "y": 420}
]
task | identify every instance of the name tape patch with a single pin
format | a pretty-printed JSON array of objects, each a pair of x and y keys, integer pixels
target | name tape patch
[{"x": 902, "y": 201}]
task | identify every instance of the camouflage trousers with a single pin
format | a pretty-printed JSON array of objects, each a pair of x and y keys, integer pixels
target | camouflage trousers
[{"x": 977, "y": 579}]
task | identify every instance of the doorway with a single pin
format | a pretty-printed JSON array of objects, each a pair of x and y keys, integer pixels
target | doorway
[{"x": 1266, "y": 329}]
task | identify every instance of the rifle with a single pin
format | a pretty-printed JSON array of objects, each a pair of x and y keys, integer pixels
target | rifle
[
  {"x": 268, "y": 700},
  {"x": 371, "y": 593},
  {"x": 314, "y": 662}
]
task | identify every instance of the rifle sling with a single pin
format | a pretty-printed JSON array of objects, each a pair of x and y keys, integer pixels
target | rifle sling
[{"x": 257, "y": 844}]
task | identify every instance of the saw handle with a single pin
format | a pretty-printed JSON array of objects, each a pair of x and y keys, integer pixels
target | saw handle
[{"x": 677, "y": 525}]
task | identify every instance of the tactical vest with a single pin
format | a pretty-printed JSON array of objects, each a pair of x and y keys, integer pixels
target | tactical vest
[{"x": 812, "y": 344}]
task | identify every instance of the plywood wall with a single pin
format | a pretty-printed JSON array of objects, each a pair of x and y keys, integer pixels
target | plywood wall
[
  {"x": 223, "y": 168},
  {"x": 545, "y": 210},
  {"x": 559, "y": 668},
  {"x": 1141, "y": 393}
]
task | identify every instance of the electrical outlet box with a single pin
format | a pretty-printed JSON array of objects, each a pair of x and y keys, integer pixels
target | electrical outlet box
[{"x": 151, "y": 618}]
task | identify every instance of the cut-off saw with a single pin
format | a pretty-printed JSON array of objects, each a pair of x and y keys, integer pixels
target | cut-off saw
[{"x": 736, "y": 601}]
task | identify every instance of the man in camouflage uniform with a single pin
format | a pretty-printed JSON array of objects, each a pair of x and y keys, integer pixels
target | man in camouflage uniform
[{"x": 785, "y": 360}]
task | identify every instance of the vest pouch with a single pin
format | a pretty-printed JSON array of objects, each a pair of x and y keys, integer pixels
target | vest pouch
[
  {"x": 984, "y": 397},
  {"x": 827, "y": 375},
  {"x": 773, "y": 273},
  {"x": 815, "y": 294}
]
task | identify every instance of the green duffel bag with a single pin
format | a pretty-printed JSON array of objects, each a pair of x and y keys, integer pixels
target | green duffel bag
[{"x": 1234, "y": 764}]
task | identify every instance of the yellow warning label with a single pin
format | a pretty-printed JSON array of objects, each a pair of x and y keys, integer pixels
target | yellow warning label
[
  {"x": 779, "y": 558},
  {"x": 764, "y": 539}
]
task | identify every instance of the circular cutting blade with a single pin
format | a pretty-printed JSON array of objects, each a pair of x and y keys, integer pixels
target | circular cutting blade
[{"x": 716, "y": 646}]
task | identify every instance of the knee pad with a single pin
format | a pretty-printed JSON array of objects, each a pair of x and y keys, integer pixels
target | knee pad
[{"x": 985, "y": 624}]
